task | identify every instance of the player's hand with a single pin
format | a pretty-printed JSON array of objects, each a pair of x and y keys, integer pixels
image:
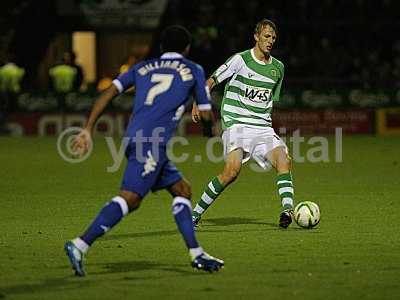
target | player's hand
[
  {"x": 195, "y": 113},
  {"x": 82, "y": 142}
]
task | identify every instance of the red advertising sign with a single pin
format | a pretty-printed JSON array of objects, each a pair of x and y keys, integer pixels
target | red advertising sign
[
  {"x": 43, "y": 124},
  {"x": 352, "y": 121}
]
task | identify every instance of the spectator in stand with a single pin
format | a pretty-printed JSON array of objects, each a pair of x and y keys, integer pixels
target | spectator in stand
[
  {"x": 10, "y": 85},
  {"x": 69, "y": 59},
  {"x": 64, "y": 76},
  {"x": 11, "y": 76}
]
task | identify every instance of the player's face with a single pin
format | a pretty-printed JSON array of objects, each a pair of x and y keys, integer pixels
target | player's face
[{"x": 266, "y": 39}]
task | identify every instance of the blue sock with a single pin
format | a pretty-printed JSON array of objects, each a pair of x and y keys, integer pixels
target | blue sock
[
  {"x": 182, "y": 210},
  {"x": 109, "y": 216}
]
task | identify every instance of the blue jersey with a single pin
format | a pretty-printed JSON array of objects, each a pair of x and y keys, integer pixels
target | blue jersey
[{"x": 163, "y": 86}]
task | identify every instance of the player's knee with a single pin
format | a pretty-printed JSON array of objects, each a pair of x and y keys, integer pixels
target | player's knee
[
  {"x": 230, "y": 174},
  {"x": 181, "y": 189},
  {"x": 132, "y": 199},
  {"x": 284, "y": 164},
  {"x": 186, "y": 190}
]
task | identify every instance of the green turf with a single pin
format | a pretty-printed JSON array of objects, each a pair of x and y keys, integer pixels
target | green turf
[{"x": 353, "y": 254}]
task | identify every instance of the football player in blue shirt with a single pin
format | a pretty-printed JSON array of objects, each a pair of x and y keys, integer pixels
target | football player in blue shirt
[{"x": 163, "y": 86}]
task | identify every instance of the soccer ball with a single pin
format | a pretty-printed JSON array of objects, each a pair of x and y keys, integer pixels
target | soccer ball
[{"x": 306, "y": 214}]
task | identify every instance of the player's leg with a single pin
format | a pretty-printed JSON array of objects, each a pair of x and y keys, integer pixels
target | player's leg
[
  {"x": 215, "y": 187},
  {"x": 182, "y": 211},
  {"x": 135, "y": 185},
  {"x": 109, "y": 216},
  {"x": 281, "y": 161}
]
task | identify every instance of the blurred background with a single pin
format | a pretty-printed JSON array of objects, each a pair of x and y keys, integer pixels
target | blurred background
[{"x": 342, "y": 58}]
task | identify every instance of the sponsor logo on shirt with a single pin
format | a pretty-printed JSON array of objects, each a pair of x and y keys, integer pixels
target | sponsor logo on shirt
[{"x": 258, "y": 95}]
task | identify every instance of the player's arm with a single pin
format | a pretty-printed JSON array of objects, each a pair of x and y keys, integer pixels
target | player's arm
[
  {"x": 225, "y": 71},
  {"x": 100, "y": 105},
  {"x": 211, "y": 83},
  {"x": 207, "y": 122},
  {"x": 83, "y": 140},
  {"x": 196, "y": 116},
  {"x": 203, "y": 99}
]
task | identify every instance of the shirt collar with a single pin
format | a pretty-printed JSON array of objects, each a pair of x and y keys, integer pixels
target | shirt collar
[
  {"x": 260, "y": 61},
  {"x": 171, "y": 55}
]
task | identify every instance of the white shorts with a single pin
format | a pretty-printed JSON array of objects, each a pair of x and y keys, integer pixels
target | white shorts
[{"x": 255, "y": 142}]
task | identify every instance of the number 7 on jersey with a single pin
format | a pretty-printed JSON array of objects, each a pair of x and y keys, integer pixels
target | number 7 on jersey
[{"x": 163, "y": 83}]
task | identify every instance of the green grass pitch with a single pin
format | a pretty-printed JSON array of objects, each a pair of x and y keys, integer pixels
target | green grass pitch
[{"x": 353, "y": 254}]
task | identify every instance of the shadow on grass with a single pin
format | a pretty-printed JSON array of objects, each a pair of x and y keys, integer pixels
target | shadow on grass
[
  {"x": 71, "y": 282},
  {"x": 209, "y": 223},
  {"x": 206, "y": 223},
  {"x": 140, "y": 235},
  {"x": 49, "y": 285},
  {"x": 228, "y": 221},
  {"x": 140, "y": 265}
]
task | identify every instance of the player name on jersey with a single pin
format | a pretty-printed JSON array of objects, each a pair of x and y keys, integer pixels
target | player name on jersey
[{"x": 181, "y": 68}]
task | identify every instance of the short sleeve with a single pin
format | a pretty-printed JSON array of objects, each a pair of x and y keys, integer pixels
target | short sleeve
[
  {"x": 226, "y": 70},
  {"x": 125, "y": 80}
]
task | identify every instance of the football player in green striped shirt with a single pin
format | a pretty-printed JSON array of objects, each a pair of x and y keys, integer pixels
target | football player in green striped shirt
[{"x": 254, "y": 84}]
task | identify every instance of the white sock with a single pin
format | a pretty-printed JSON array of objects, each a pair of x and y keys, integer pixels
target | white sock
[
  {"x": 81, "y": 245},
  {"x": 287, "y": 201},
  {"x": 194, "y": 252}
]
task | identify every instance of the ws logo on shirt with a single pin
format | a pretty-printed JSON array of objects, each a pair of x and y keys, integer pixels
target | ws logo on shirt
[{"x": 258, "y": 95}]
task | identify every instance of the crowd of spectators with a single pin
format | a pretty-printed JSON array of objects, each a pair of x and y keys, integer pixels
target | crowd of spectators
[
  {"x": 334, "y": 46},
  {"x": 325, "y": 44}
]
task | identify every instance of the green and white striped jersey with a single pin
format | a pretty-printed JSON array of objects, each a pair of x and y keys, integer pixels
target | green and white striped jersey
[{"x": 251, "y": 90}]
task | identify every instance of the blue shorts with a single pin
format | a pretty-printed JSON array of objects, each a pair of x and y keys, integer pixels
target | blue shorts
[{"x": 148, "y": 171}]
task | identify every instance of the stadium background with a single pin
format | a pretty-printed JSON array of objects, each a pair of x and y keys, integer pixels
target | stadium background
[
  {"x": 342, "y": 70},
  {"x": 342, "y": 59}
]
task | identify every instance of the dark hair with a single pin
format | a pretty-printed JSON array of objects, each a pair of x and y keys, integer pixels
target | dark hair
[
  {"x": 175, "y": 39},
  {"x": 264, "y": 22}
]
